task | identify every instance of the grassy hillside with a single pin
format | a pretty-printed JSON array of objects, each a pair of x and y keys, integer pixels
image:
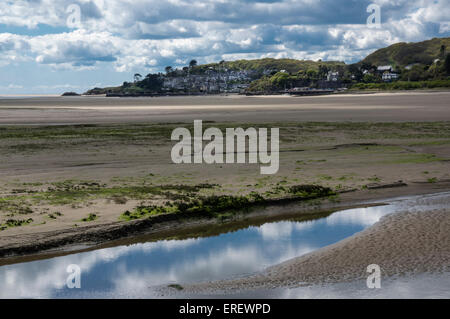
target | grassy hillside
[
  {"x": 403, "y": 54},
  {"x": 261, "y": 65}
]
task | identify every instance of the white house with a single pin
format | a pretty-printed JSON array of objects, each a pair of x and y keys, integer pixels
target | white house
[
  {"x": 384, "y": 68},
  {"x": 332, "y": 76},
  {"x": 389, "y": 76}
]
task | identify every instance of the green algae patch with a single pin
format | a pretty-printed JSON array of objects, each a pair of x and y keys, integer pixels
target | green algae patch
[{"x": 225, "y": 206}]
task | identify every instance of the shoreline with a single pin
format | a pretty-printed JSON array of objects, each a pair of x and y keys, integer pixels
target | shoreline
[
  {"x": 34, "y": 246},
  {"x": 349, "y": 92},
  {"x": 325, "y": 92}
]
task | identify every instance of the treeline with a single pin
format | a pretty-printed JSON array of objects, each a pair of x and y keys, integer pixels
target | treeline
[
  {"x": 310, "y": 77},
  {"x": 403, "y": 85}
]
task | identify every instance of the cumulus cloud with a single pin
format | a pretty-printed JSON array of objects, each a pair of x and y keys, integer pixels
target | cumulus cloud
[{"x": 150, "y": 34}]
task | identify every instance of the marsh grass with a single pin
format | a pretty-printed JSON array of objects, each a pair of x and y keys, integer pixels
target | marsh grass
[
  {"x": 15, "y": 206},
  {"x": 10, "y": 223},
  {"x": 69, "y": 192},
  {"x": 176, "y": 286},
  {"x": 224, "y": 206},
  {"x": 90, "y": 218}
]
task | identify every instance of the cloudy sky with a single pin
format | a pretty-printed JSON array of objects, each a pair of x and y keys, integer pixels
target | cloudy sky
[{"x": 49, "y": 46}]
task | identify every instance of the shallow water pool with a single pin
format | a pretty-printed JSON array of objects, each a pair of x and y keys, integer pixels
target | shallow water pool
[{"x": 132, "y": 270}]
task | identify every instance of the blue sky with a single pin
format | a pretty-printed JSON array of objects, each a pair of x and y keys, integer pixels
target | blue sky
[{"x": 47, "y": 48}]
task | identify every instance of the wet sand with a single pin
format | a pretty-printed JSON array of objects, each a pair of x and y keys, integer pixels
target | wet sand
[
  {"x": 412, "y": 242},
  {"x": 388, "y": 107}
]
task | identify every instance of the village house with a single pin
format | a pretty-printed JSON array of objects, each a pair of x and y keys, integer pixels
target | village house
[
  {"x": 384, "y": 68},
  {"x": 388, "y": 73},
  {"x": 332, "y": 76},
  {"x": 210, "y": 82},
  {"x": 389, "y": 76}
]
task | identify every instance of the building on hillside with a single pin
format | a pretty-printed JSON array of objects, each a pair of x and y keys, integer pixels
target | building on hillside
[
  {"x": 332, "y": 76},
  {"x": 389, "y": 76},
  {"x": 384, "y": 68},
  {"x": 387, "y": 72}
]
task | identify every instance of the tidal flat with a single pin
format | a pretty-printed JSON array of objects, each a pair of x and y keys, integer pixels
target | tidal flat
[
  {"x": 121, "y": 172},
  {"x": 78, "y": 173}
]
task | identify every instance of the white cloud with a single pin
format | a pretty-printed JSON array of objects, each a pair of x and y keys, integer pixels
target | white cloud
[{"x": 134, "y": 35}]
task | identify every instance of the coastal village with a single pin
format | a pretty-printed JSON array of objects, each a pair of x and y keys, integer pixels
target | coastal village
[
  {"x": 238, "y": 81},
  {"x": 382, "y": 69},
  {"x": 214, "y": 81},
  {"x": 225, "y": 81}
]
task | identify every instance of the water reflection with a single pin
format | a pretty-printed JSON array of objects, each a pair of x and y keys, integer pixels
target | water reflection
[{"x": 129, "y": 271}]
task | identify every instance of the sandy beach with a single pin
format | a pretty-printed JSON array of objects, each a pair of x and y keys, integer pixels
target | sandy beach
[{"x": 388, "y": 107}]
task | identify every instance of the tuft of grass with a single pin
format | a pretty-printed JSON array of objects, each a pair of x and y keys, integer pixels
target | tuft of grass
[
  {"x": 91, "y": 217},
  {"x": 176, "y": 286},
  {"x": 15, "y": 223},
  {"x": 310, "y": 191}
]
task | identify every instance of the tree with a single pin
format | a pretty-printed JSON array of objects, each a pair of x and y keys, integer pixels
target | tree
[
  {"x": 168, "y": 69},
  {"x": 354, "y": 70},
  {"x": 323, "y": 71},
  {"x": 443, "y": 51},
  {"x": 137, "y": 77},
  {"x": 369, "y": 78},
  {"x": 280, "y": 80},
  {"x": 447, "y": 64},
  {"x": 152, "y": 82},
  {"x": 312, "y": 74},
  {"x": 368, "y": 67},
  {"x": 192, "y": 63}
]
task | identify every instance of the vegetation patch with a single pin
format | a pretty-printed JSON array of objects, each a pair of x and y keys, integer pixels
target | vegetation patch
[
  {"x": 176, "y": 286},
  {"x": 70, "y": 192},
  {"x": 223, "y": 206},
  {"x": 90, "y": 218},
  {"x": 310, "y": 191},
  {"x": 15, "y": 223},
  {"x": 15, "y": 206},
  {"x": 403, "y": 85}
]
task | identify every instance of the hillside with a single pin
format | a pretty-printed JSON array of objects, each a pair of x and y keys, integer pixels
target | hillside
[
  {"x": 262, "y": 65},
  {"x": 403, "y": 54}
]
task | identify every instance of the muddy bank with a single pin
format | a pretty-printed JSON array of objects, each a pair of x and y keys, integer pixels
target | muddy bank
[{"x": 59, "y": 242}]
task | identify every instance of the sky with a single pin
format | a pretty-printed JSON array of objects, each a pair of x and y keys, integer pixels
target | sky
[{"x": 53, "y": 46}]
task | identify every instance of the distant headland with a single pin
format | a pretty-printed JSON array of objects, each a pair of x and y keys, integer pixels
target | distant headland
[{"x": 421, "y": 65}]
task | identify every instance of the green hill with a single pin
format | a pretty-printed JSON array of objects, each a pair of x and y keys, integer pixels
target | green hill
[
  {"x": 261, "y": 65},
  {"x": 403, "y": 54}
]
